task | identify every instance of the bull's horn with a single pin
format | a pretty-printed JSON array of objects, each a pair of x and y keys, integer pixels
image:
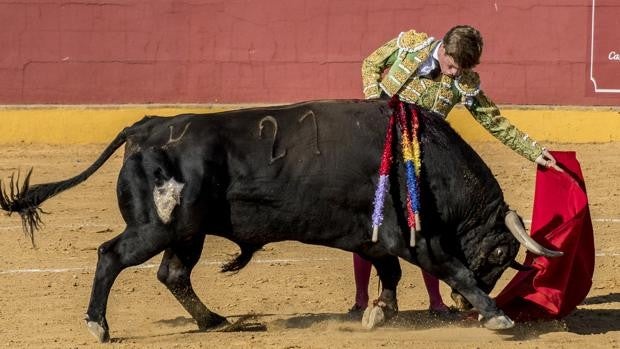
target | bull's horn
[{"x": 518, "y": 230}]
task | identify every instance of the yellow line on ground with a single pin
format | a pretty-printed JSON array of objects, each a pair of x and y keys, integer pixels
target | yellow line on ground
[{"x": 80, "y": 124}]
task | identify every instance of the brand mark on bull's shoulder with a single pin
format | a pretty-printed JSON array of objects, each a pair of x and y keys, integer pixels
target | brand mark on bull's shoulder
[
  {"x": 172, "y": 139},
  {"x": 317, "y": 151},
  {"x": 274, "y": 122}
]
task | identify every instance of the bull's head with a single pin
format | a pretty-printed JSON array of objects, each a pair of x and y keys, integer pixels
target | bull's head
[{"x": 497, "y": 251}]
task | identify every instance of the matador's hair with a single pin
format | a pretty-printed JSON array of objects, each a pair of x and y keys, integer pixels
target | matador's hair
[{"x": 464, "y": 44}]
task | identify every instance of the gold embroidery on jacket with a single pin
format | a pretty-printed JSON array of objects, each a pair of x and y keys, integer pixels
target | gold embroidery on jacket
[
  {"x": 468, "y": 83},
  {"x": 412, "y": 41}
]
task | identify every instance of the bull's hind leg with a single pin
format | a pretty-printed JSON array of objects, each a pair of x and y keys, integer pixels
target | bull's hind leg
[
  {"x": 386, "y": 306},
  {"x": 134, "y": 246},
  {"x": 175, "y": 272}
]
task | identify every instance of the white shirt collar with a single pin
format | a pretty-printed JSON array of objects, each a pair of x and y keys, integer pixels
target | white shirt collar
[{"x": 436, "y": 51}]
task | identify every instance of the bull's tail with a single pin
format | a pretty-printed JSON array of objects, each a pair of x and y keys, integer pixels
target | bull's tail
[
  {"x": 25, "y": 199},
  {"x": 242, "y": 259}
]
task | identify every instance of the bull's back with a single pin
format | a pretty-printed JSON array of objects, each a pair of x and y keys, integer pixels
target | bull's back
[
  {"x": 279, "y": 170},
  {"x": 304, "y": 171},
  {"x": 308, "y": 169}
]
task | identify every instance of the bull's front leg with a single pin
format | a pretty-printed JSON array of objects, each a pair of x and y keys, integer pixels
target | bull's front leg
[
  {"x": 462, "y": 279},
  {"x": 386, "y": 306}
]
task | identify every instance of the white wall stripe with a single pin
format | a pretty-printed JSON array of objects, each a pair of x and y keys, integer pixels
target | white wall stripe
[{"x": 596, "y": 88}]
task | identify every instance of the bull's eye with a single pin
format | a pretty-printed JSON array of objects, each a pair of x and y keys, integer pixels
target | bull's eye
[
  {"x": 499, "y": 252},
  {"x": 497, "y": 255}
]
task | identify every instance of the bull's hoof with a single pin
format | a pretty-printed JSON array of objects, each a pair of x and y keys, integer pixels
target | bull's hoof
[
  {"x": 501, "y": 322},
  {"x": 373, "y": 317},
  {"x": 215, "y": 322},
  {"x": 102, "y": 334}
]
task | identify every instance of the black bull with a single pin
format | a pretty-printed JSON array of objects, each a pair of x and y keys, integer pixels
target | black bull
[{"x": 305, "y": 172}]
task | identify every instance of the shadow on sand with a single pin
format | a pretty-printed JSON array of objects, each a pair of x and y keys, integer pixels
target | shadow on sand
[{"x": 582, "y": 321}]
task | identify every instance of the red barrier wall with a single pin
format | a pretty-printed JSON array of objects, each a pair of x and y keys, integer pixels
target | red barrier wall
[{"x": 230, "y": 51}]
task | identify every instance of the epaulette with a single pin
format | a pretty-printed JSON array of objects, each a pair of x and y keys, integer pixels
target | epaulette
[
  {"x": 412, "y": 41},
  {"x": 468, "y": 83}
]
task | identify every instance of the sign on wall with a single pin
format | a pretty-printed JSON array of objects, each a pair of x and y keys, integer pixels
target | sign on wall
[{"x": 605, "y": 46}]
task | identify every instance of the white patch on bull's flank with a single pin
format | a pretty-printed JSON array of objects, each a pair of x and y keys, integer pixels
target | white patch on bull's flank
[{"x": 166, "y": 198}]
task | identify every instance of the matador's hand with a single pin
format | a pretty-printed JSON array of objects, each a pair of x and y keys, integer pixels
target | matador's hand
[{"x": 548, "y": 161}]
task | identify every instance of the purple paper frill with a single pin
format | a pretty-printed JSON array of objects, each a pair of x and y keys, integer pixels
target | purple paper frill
[{"x": 377, "y": 214}]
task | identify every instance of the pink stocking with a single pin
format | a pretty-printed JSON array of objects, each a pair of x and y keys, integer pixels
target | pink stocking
[
  {"x": 434, "y": 296},
  {"x": 361, "y": 268}
]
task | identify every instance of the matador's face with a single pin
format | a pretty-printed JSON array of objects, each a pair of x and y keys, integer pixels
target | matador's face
[{"x": 447, "y": 64}]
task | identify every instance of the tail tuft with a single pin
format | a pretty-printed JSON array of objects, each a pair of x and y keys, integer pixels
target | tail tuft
[
  {"x": 26, "y": 200},
  {"x": 16, "y": 198}
]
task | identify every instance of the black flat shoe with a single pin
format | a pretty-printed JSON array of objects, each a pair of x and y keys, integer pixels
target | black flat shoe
[{"x": 356, "y": 312}]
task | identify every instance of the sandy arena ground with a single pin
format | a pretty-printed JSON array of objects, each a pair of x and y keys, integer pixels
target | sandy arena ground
[{"x": 301, "y": 293}]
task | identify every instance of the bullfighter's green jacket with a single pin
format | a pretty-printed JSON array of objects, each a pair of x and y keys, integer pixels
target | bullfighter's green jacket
[{"x": 403, "y": 55}]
